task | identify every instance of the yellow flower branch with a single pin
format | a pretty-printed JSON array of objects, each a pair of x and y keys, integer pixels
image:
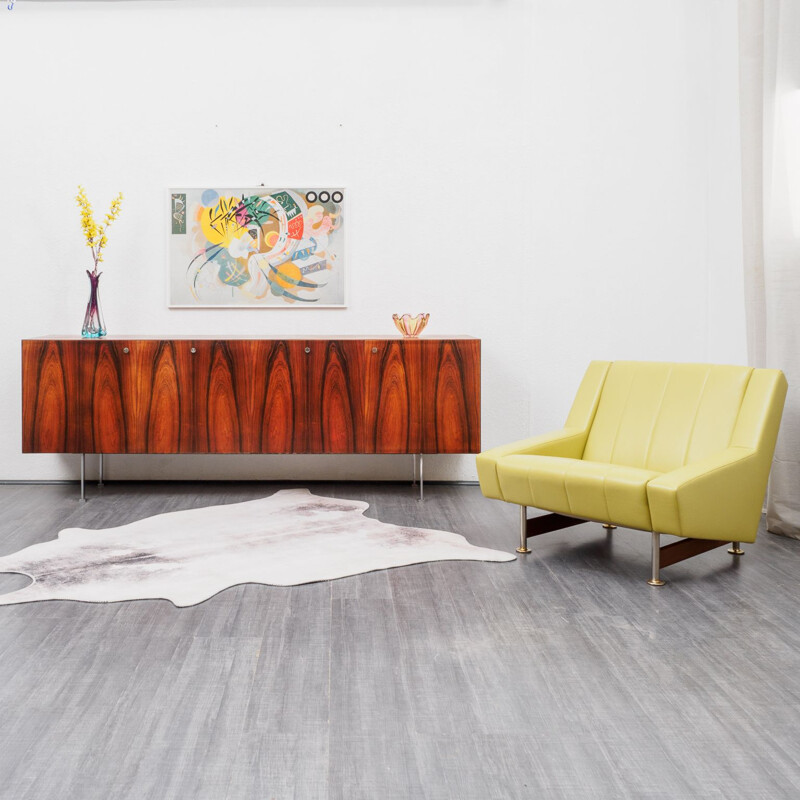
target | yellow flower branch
[{"x": 95, "y": 234}]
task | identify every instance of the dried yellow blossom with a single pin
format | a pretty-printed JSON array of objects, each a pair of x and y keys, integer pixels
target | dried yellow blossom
[{"x": 95, "y": 234}]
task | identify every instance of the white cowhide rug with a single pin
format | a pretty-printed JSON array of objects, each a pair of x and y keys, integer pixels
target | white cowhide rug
[{"x": 289, "y": 538}]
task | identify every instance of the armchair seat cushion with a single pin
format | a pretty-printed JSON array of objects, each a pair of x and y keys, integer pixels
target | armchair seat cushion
[{"x": 591, "y": 489}]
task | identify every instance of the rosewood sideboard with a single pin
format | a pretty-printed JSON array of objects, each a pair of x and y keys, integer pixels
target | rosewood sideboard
[{"x": 205, "y": 395}]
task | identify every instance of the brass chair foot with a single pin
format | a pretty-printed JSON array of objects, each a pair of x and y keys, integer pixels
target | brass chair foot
[
  {"x": 736, "y": 550},
  {"x": 523, "y": 550},
  {"x": 656, "y": 582},
  {"x": 609, "y": 527}
]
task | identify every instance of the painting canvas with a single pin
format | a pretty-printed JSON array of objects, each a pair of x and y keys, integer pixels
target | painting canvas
[{"x": 256, "y": 248}]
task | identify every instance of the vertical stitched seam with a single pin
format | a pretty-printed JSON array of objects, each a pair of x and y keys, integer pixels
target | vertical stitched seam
[
  {"x": 678, "y": 514},
  {"x": 566, "y": 490},
  {"x": 655, "y": 421},
  {"x": 622, "y": 416},
  {"x": 530, "y": 489},
  {"x": 696, "y": 415},
  {"x": 596, "y": 406},
  {"x": 741, "y": 403},
  {"x": 605, "y": 497}
]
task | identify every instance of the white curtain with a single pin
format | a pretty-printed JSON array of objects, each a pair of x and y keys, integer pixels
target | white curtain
[{"x": 769, "y": 47}]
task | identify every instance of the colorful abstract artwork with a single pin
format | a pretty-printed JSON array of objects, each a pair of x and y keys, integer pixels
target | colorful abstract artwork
[{"x": 256, "y": 248}]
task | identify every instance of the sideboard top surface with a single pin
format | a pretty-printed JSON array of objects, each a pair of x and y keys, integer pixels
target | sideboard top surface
[{"x": 253, "y": 338}]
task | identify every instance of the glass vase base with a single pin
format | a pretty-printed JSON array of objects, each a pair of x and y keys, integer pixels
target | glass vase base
[{"x": 94, "y": 326}]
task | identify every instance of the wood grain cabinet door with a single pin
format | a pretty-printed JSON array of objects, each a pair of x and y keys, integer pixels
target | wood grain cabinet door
[
  {"x": 51, "y": 414},
  {"x": 170, "y": 426},
  {"x": 451, "y": 396},
  {"x": 284, "y": 426},
  {"x": 216, "y": 409},
  {"x": 249, "y": 396},
  {"x": 334, "y": 396},
  {"x": 392, "y": 398},
  {"x": 136, "y": 396}
]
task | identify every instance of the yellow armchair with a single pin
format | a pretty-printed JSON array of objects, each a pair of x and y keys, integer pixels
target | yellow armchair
[{"x": 680, "y": 449}]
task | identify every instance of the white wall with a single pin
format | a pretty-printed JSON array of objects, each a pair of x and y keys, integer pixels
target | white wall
[{"x": 558, "y": 177}]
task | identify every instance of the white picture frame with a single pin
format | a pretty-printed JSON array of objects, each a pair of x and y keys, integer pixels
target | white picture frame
[{"x": 256, "y": 247}]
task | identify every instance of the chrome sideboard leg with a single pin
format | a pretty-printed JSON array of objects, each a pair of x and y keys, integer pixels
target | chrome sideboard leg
[
  {"x": 421, "y": 480},
  {"x": 83, "y": 477},
  {"x": 100, "y": 473}
]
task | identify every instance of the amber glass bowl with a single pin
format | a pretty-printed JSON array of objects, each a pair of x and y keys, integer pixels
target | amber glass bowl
[{"x": 410, "y": 326}]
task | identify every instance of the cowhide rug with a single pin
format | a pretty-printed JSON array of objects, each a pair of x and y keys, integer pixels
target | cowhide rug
[{"x": 289, "y": 538}]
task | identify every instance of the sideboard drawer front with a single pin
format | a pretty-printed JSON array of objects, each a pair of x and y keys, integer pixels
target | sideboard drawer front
[
  {"x": 335, "y": 396},
  {"x": 216, "y": 410},
  {"x": 393, "y": 399},
  {"x": 104, "y": 423},
  {"x": 136, "y": 396},
  {"x": 51, "y": 416},
  {"x": 249, "y": 396},
  {"x": 284, "y": 427},
  {"x": 451, "y": 396},
  {"x": 171, "y": 408}
]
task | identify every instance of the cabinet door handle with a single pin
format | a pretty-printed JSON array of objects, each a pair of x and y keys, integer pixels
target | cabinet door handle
[
  {"x": 374, "y": 349},
  {"x": 193, "y": 350},
  {"x": 126, "y": 350},
  {"x": 308, "y": 349}
]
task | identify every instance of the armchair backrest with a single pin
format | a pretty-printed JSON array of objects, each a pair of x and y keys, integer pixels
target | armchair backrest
[{"x": 662, "y": 416}]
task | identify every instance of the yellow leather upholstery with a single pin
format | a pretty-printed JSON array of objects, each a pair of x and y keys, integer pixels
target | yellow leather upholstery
[
  {"x": 569, "y": 442},
  {"x": 580, "y": 488},
  {"x": 664, "y": 416},
  {"x": 683, "y": 449}
]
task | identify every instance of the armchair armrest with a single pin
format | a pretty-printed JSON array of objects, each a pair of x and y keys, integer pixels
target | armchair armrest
[
  {"x": 719, "y": 497},
  {"x": 567, "y": 443}
]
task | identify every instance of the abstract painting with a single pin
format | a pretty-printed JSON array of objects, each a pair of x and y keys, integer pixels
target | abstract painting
[{"x": 256, "y": 248}]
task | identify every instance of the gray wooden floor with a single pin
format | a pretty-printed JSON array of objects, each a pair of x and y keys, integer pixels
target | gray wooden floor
[{"x": 560, "y": 675}]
